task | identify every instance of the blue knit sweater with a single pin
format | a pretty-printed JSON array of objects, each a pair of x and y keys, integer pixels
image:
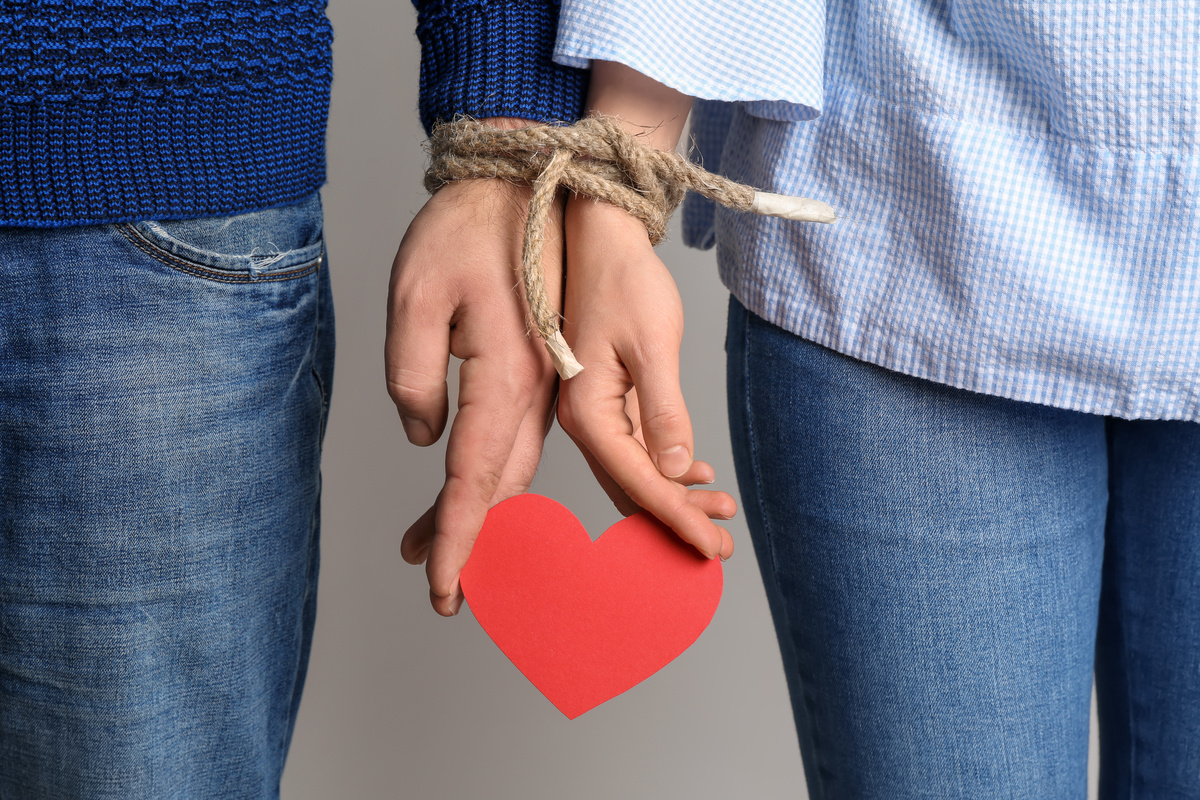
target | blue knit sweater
[
  {"x": 115, "y": 110},
  {"x": 151, "y": 109},
  {"x": 491, "y": 58},
  {"x": 133, "y": 109}
]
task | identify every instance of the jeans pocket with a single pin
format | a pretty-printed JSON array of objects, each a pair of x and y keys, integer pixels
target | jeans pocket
[{"x": 274, "y": 244}]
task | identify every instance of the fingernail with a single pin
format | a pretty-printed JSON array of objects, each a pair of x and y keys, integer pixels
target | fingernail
[
  {"x": 416, "y": 430},
  {"x": 674, "y": 462},
  {"x": 456, "y": 604}
]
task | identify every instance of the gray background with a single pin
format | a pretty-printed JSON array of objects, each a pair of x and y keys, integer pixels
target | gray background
[{"x": 403, "y": 703}]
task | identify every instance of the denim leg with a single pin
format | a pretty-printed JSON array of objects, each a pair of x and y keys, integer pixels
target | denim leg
[
  {"x": 163, "y": 392},
  {"x": 932, "y": 558},
  {"x": 1148, "y": 647}
]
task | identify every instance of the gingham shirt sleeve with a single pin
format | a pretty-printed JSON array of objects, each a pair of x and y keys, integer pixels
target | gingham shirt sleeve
[{"x": 766, "y": 53}]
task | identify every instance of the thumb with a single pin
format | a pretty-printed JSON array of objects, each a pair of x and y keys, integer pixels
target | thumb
[{"x": 666, "y": 426}]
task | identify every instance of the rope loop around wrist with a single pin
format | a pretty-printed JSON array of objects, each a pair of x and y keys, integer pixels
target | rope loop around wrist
[{"x": 595, "y": 157}]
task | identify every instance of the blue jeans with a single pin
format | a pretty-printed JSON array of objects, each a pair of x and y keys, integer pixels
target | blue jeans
[
  {"x": 946, "y": 569},
  {"x": 163, "y": 395}
]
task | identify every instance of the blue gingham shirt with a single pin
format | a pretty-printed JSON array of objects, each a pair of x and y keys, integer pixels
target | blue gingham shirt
[{"x": 1018, "y": 181}]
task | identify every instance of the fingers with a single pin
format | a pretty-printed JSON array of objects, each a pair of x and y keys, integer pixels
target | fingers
[
  {"x": 650, "y": 490},
  {"x": 599, "y": 423},
  {"x": 715, "y": 504},
  {"x": 519, "y": 471},
  {"x": 414, "y": 547},
  {"x": 700, "y": 472},
  {"x": 481, "y": 441},
  {"x": 726, "y": 545},
  {"x": 446, "y": 606},
  {"x": 416, "y": 352},
  {"x": 615, "y": 493},
  {"x": 666, "y": 427},
  {"x": 526, "y": 453},
  {"x": 452, "y": 292}
]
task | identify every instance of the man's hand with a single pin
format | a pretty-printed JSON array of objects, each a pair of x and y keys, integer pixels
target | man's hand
[{"x": 454, "y": 290}]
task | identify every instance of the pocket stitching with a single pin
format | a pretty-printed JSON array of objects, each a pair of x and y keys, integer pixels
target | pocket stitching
[{"x": 175, "y": 262}]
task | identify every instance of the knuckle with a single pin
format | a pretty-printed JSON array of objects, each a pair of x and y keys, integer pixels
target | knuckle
[
  {"x": 659, "y": 345},
  {"x": 417, "y": 298},
  {"x": 572, "y": 414},
  {"x": 676, "y": 511},
  {"x": 411, "y": 389},
  {"x": 643, "y": 489},
  {"x": 518, "y": 485},
  {"x": 480, "y": 484},
  {"x": 440, "y": 585},
  {"x": 673, "y": 506},
  {"x": 665, "y": 419}
]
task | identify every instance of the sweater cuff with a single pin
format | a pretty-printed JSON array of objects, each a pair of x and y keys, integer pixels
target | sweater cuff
[{"x": 493, "y": 59}]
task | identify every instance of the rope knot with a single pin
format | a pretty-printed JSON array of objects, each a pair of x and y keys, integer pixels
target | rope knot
[{"x": 597, "y": 158}]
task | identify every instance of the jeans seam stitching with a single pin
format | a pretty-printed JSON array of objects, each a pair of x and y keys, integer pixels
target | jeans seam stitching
[
  {"x": 1125, "y": 671},
  {"x": 819, "y": 778},
  {"x": 315, "y": 521},
  {"x": 313, "y": 367},
  {"x": 754, "y": 443},
  {"x": 174, "y": 262}
]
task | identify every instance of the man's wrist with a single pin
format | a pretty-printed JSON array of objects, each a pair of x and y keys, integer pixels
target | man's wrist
[{"x": 509, "y": 123}]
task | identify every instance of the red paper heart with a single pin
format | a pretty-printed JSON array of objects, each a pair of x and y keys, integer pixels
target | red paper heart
[{"x": 583, "y": 620}]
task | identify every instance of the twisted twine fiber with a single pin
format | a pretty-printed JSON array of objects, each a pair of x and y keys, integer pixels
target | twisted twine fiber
[{"x": 595, "y": 157}]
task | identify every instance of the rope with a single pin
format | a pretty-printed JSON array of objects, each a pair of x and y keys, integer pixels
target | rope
[{"x": 594, "y": 157}]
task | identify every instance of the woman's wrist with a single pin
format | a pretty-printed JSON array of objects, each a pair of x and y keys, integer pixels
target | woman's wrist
[
  {"x": 655, "y": 113},
  {"x": 611, "y": 223}
]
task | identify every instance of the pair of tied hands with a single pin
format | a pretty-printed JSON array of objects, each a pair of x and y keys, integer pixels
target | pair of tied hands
[{"x": 455, "y": 291}]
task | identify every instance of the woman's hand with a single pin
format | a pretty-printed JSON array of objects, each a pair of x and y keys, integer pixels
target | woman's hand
[
  {"x": 454, "y": 291},
  {"x": 625, "y": 411},
  {"x": 624, "y": 320}
]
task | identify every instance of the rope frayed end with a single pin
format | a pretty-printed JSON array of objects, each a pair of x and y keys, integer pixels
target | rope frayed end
[
  {"x": 560, "y": 353},
  {"x": 800, "y": 209}
]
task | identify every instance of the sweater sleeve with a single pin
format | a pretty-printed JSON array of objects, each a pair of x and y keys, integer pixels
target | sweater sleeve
[{"x": 487, "y": 58}]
